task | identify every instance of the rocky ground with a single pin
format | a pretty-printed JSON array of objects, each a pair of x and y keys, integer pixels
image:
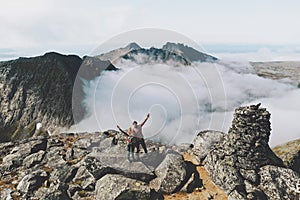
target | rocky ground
[
  {"x": 237, "y": 165},
  {"x": 89, "y": 166}
]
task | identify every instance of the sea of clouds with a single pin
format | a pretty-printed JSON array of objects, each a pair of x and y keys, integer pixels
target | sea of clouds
[{"x": 184, "y": 100}]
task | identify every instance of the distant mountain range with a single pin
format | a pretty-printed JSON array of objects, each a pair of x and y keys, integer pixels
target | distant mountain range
[
  {"x": 41, "y": 89},
  {"x": 177, "y": 53}
]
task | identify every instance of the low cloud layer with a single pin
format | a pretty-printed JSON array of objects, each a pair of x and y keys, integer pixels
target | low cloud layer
[{"x": 184, "y": 100}]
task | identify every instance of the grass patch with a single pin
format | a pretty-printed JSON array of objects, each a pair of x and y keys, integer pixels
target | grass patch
[
  {"x": 73, "y": 162},
  {"x": 78, "y": 182},
  {"x": 82, "y": 193},
  {"x": 47, "y": 169},
  {"x": 6, "y": 183}
]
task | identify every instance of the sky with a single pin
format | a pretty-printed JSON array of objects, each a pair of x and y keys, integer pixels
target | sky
[
  {"x": 33, "y": 27},
  {"x": 257, "y": 30}
]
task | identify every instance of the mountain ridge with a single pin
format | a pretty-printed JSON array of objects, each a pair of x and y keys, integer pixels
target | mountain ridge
[
  {"x": 40, "y": 90},
  {"x": 36, "y": 90},
  {"x": 189, "y": 53},
  {"x": 177, "y": 52}
]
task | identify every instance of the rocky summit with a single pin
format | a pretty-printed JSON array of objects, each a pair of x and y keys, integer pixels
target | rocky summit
[
  {"x": 237, "y": 165},
  {"x": 243, "y": 163},
  {"x": 92, "y": 166}
]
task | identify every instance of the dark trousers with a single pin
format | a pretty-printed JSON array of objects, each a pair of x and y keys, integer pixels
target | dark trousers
[
  {"x": 134, "y": 143},
  {"x": 142, "y": 142},
  {"x": 130, "y": 150}
]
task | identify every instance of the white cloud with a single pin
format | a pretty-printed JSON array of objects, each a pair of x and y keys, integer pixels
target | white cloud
[{"x": 182, "y": 102}]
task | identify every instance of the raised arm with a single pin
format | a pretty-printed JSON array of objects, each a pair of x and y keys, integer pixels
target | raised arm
[
  {"x": 122, "y": 131},
  {"x": 148, "y": 115}
]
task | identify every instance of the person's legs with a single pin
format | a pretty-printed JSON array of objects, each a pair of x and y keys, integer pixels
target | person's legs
[
  {"x": 128, "y": 152},
  {"x": 137, "y": 154},
  {"x": 144, "y": 145},
  {"x": 137, "y": 145},
  {"x": 132, "y": 151}
]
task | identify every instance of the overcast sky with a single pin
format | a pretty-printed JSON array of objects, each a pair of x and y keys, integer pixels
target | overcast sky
[{"x": 73, "y": 26}]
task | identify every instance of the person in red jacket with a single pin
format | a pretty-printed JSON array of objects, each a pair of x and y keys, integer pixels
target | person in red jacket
[{"x": 131, "y": 142}]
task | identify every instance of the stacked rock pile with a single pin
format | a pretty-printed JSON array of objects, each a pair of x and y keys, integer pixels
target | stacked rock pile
[
  {"x": 235, "y": 164},
  {"x": 249, "y": 137}
]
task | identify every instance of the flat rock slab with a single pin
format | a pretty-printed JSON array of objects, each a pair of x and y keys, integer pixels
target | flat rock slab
[
  {"x": 101, "y": 164},
  {"x": 170, "y": 174},
  {"x": 119, "y": 187}
]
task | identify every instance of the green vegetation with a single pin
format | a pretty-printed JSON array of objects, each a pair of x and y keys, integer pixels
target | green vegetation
[{"x": 82, "y": 193}]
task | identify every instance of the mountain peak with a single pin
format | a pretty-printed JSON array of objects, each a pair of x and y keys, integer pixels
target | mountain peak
[
  {"x": 117, "y": 53},
  {"x": 189, "y": 53},
  {"x": 133, "y": 45},
  {"x": 172, "y": 44}
]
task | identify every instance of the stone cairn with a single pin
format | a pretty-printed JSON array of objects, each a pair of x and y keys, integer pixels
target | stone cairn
[{"x": 245, "y": 149}]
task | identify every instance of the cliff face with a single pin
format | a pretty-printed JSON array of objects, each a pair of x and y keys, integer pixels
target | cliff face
[
  {"x": 35, "y": 90},
  {"x": 47, "y": 89}
]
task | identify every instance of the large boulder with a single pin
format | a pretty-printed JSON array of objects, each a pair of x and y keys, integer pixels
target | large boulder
[
  {"x": 84, "y": 179},
  {"x": 32, "y": 181},
  {"x": 170, "y": 174},
  {"x": 278, "y": 183},
  {"x": 63, "y": 173},
  {"x": 56, "y": 190},
  {"x": 119, "y": 187},
  {"x": 205, "y": 141},
  {"x": 101, "y": 164},
  {"x": 33, "y": 159}
]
